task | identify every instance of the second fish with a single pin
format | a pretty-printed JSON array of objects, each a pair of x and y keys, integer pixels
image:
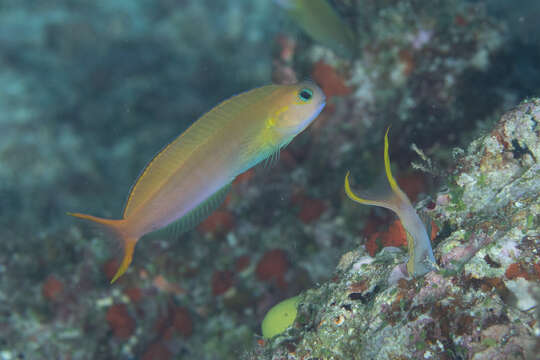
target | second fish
[{"x": 190, "y": 177}]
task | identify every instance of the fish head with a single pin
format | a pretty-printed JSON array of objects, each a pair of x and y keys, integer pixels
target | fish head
[{"x": 302, "y": 103}]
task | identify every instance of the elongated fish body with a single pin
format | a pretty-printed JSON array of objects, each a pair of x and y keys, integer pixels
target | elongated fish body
[
  {"x": 199, "y": 165},
  {"x": 421, "y": 259},
  {"x": 321, "y": 22}
]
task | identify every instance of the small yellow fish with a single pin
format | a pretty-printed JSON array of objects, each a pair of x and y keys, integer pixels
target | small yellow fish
[
  {"x": 321, "y": 22},
  {"x": 421, "y": 259},
  {"x": 189, "y": 178}
]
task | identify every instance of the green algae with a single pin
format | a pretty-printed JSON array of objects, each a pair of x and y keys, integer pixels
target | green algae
[{"x": 280, "y": 317}]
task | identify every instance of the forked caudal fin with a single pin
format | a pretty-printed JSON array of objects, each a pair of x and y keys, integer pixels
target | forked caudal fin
[
  {"x": 391, "y": 198},
  {"x": 421, "y": 259},
  {"x": 116, "y": 229}
]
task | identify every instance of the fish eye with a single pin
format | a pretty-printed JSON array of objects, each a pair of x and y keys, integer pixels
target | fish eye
[{"x": 305, "y": 94}]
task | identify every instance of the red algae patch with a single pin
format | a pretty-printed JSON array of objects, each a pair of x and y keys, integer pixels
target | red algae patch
[
  {"x": 218, "y": 223},
  {"x": 182, "y": 321},
  {"x": 134, "y": 294},
  {"x": 241, "y": 263},
  {"x": 460, "y": 20},
  {"x": 311, "y": 210},
  {"x": 514, "y": 271},
  {"x": 537, "y": 270},
  {"x": 52, "y": 288},
  {"x": 157, "y": 351},
  {"x": 517, "y": 270},
  {"x": 395, "y": 235},
  {"x": 244, "y": 177},
  {"x": 373, "y": 224},
  {"x": 273, "y": 266},
  {"x": 373, "y": 244},
  {"x": 110, "y": 267},
  {"x": 120, "y": 321},
  {"x": 406, "y": 58},
  {"x": 177, "y": 320},
  {"x": 412, "y": 184},
  {"x": 330, "y": 81},
  {"x": 221, "y": 282}
]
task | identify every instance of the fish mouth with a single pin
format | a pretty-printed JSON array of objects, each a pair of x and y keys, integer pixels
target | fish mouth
[
  {"x": 304, "y": 124},
  {"x": 316, "y": 112},
  {"x": 323, "y": 104},
  {"x": 295, "y": 129}
]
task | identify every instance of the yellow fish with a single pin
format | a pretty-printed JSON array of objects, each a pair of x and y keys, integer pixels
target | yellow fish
[
  {"x": 421, "y": 259},
  {"x": 321, "y": 22},
  {"x": 189, "y": 178}
]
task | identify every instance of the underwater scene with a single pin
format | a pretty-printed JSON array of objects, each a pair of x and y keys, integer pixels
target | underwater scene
[{"x": 269, "y": 179}]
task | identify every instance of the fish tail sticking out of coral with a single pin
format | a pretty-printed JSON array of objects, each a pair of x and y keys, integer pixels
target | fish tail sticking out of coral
[
  {"x": 421, "y": 259},
  {"x": 190, "y": 177}
]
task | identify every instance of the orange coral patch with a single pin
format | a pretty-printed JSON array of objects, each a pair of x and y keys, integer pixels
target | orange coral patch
[
  {"x": 330, "y": 81},
  {"x": 395, "y": 235},
  {"x": 434, "y": 230}
]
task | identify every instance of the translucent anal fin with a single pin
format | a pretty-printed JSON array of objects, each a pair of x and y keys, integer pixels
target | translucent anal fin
[{"x": 198, "y": 214}]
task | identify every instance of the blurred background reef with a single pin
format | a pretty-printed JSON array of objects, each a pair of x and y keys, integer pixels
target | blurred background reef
[{"x": 92, "y": 90}]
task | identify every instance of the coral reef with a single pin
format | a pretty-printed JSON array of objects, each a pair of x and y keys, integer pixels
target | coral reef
[
  {"x": 91, "y": 90},
  {"x": 478, "y": 304}
]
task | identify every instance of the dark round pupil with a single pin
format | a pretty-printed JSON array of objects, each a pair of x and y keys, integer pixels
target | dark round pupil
[{"x": 305, "y": 94}]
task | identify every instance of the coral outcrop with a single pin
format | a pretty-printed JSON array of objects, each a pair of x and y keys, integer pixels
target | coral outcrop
[{"x": 479, "y": 304}]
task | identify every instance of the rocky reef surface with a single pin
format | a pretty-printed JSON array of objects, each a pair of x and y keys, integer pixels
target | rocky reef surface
[{"x": 482, "y": 301}]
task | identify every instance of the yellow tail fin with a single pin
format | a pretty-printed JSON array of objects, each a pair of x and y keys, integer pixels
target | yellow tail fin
[
  {"x": 116, "y": 228},
  {"x": 390, "y": 197}
]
